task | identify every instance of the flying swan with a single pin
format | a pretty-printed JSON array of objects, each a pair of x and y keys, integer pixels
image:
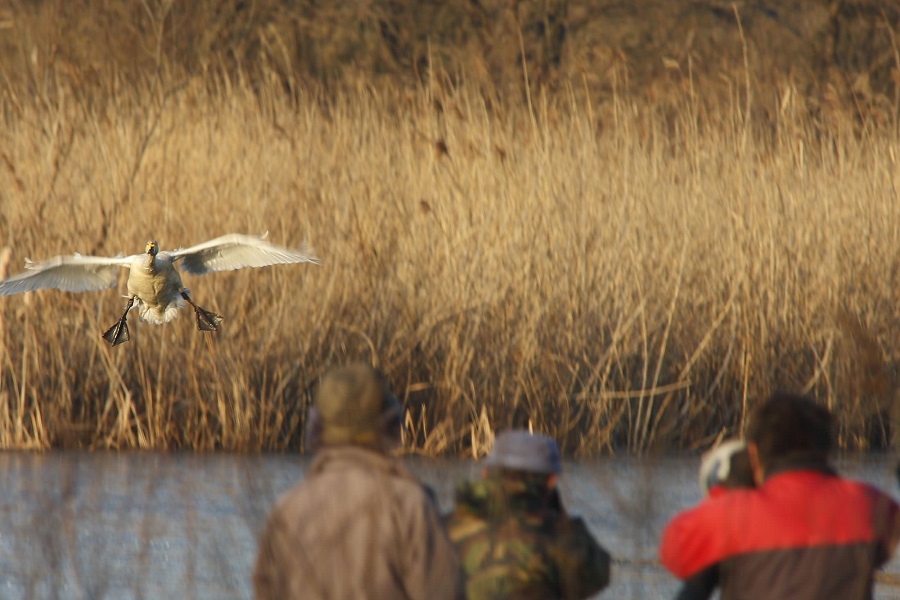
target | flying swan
[{"x": 154, "y": 285}]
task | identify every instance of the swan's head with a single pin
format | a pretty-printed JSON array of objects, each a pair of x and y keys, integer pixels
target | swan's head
[{"x": 152, "y": 248}]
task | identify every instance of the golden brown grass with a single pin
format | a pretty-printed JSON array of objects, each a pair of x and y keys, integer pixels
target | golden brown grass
[{"x": 623, "y": 278}]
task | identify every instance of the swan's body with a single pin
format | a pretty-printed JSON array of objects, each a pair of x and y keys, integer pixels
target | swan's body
[
  {"x": 156, "y": 284},
  {"x": 153, "y": 282}
]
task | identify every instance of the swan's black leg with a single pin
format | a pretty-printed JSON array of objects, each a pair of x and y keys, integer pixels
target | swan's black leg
[{"x": 206, "y": 320}]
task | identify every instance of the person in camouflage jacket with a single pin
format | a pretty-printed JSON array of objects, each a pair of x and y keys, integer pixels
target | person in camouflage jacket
[{"x": 512, "y": 533}]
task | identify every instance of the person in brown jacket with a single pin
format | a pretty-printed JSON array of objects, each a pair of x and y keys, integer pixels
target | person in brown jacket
[{"x": 360, "y": 525}]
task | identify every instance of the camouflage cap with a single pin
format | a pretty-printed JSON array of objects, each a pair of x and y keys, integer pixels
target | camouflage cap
[
  {"x": 524, "y": 451},
  {"x": 353, "y": 402}
]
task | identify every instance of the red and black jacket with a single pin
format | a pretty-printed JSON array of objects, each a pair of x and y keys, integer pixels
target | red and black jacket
[{"x": 802, "y": 534}]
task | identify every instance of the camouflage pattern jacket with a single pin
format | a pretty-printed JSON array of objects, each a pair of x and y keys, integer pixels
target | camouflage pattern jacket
[{"x": 516, "y": 543}]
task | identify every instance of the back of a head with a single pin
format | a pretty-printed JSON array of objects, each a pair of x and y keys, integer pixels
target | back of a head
[
  {"x": 791, "y": 429},
  {"x": 353, "y": 403},
  {"x": 523, "y": 451},
  {"x": 740, "y": 473}
]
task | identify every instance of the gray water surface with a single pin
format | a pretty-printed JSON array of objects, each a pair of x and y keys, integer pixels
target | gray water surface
[{"x": 156, "y": 525}]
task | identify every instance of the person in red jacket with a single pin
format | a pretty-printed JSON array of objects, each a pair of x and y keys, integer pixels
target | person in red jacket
[{"x": 802, "y": 533}]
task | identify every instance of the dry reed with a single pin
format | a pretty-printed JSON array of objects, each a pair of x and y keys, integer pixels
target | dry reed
[{"x": 624, "y": 278}]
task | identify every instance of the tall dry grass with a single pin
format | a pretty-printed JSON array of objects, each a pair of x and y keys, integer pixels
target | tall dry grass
[{"x": 623, "y": 278}]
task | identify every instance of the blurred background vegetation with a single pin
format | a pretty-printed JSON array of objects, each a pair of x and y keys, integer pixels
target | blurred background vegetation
[{"x": 834, "y": 52}]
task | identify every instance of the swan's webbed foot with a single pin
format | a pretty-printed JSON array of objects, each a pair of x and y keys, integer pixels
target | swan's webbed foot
[
  {"x": 118, "y": 333},
  {"x": 206, "y": 320}
]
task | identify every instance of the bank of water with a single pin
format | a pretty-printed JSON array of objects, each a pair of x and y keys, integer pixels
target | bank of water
[{"x": 154, "y": 525}]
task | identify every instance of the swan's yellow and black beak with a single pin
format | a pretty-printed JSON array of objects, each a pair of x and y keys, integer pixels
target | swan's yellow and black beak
[{"x": 152, "y": 249}]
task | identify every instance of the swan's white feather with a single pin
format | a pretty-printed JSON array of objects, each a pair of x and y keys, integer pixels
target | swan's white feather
[
  {"x": 237, "y": 251},
  {"x": 68, "y": 273}
]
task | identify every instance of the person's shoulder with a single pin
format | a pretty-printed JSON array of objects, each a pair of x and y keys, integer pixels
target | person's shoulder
[
  {"x": 827, "y": 492},
  {"x": 412, "y": 495},
  {"x": 288, "y": 509},
  {"x": 336, "y": 477},
  {"x": 293, "y": 497},
  {"x": 404, "y": 481},
  {"x": 392, "y": 478},
  {"x": 865, "y": 486},
  {"x": 874, "y": 493},
  {"x": 725, "y": 500},
  {"x": 710, "y": 512},
  {"x": 359, "y": 464}
]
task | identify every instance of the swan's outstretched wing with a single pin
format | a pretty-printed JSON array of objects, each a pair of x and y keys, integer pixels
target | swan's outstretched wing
[
  {"x": 236, "y": 251},
  {"x": 68, "y": 273}
]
